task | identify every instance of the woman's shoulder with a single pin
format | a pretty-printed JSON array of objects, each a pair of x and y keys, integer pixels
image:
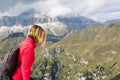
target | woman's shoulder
[{"x": 26, "y": 44}]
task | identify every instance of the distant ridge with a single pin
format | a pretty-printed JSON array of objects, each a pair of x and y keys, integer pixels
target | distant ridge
[{"x": 113, "y": 20}]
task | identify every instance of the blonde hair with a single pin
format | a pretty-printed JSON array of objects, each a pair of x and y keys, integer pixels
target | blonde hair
[{"x": 38, "y": 34}]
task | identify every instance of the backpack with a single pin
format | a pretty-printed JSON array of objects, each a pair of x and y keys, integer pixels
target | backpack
[{"x": 10, "y": 62}]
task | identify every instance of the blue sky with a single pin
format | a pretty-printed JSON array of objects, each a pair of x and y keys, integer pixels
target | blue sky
[{"x": 99, "y": 10}]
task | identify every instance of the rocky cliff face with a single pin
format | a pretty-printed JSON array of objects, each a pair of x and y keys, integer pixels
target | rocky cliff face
[{"x": 54, "y": 30}]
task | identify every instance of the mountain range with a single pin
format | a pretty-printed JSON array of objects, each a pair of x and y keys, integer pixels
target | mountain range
[
  {"x": 77, "y": 22},
  {"x": 56, "y": 26},
  {"x": 33, "y": 17}
]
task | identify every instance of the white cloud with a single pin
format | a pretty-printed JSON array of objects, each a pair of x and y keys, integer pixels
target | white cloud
[
  {"x": 106, "y": 16},
  {"x": 92, "y": 6},
  {"x": 16, "y": 10},
  {"x": 97, "y": 9},
  {"x": 51, "y": 7},
  {"x": 58, "y": 11}
]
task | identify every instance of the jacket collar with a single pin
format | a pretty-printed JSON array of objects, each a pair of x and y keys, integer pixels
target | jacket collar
[{"x": 31, "y": 40}]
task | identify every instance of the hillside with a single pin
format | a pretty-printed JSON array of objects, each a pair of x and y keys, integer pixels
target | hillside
[{"x": 92, "y": 53}]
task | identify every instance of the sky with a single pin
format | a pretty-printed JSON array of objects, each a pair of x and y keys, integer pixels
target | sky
[{"x": 99, "y": 10}]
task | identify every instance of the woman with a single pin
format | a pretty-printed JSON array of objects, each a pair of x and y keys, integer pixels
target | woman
[{"x": 26, "y": 57}]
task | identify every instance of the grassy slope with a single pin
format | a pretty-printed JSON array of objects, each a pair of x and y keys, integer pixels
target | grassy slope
[{"x": 98, "y": 45}]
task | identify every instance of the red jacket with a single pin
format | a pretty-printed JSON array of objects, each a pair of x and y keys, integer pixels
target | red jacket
[{"x": 26, "y": 58}]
